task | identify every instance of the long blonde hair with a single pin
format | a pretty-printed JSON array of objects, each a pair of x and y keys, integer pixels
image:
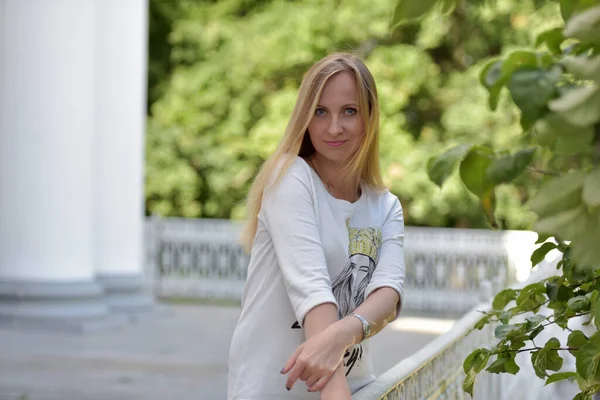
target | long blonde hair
[{"x": 363, "y": 166}]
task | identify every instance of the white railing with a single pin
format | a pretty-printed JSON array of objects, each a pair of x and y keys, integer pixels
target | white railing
[
  {"x": 436, "y": 371},
  {"x": 446, "y": 269}
]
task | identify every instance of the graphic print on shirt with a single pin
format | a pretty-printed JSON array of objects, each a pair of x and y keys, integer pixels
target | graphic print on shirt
[{"x": 350, "y": 285}]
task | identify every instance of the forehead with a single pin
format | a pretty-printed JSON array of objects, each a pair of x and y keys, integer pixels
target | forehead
[{"x": 340, "y": 89}]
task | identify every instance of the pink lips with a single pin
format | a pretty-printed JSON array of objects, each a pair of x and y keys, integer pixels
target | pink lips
[{"x": 335, "y": 144}]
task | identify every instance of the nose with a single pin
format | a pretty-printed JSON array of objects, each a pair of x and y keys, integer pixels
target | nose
[{"x": 335, "y": 126}]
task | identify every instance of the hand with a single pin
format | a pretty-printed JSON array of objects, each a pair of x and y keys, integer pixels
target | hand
[
  {"x": 315, "y": 361},
  {"x": 337, "y": 387}
]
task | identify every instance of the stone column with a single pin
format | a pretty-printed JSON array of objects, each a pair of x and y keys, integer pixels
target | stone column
[
  {"x": 46, "y": 126},
  {"x": 118, "y": 156}
]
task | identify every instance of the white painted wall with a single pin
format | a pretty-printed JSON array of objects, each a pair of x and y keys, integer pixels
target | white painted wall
[{"x": 46, "y": 127}]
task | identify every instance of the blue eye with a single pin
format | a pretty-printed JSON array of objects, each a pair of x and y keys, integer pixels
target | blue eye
[
  {"x": 320, "y": 112},
  {"x": 351, "y": 111}
]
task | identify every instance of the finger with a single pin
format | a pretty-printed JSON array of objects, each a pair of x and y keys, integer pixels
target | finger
[
  {"x": 311, "y": 380},
  {"x": 320, "y": 384},
  {"x": 293, "y": 376},
  {"x": 305, "y": 375},
  {"x": 291, "y": 361}
]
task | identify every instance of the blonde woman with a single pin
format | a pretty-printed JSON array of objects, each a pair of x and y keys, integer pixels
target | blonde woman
[{"x": 326, "y": 240}]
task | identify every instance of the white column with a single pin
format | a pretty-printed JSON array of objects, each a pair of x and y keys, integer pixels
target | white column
[
  {"x": 118, "y": 157},
  {"x": 46, "y": 126}
]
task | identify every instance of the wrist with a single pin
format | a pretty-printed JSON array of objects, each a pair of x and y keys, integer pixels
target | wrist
[{"x": 349, "y": 331}]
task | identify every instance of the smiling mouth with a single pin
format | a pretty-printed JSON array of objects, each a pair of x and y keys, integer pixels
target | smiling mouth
[{"x": 336, "y": 143}]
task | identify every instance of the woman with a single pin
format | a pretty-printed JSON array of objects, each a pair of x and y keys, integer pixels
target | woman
[{"x": 326, "y": 268}]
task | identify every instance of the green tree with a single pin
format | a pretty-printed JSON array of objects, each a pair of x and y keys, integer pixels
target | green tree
[
  {"x": 557, "y": 92},
  {"x": 222, "y": 96}
]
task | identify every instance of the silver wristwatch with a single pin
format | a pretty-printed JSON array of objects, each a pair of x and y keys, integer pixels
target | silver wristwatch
[{"x": 365, "y": 324}]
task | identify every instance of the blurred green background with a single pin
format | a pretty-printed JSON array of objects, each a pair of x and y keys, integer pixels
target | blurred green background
[{"x": 223, "y": 79}]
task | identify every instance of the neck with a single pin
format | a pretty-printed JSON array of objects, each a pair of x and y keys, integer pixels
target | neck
[{"x": 330, "y": 174}]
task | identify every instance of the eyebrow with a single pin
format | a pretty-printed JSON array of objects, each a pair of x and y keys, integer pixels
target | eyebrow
[{"x": 345, "y": 105}]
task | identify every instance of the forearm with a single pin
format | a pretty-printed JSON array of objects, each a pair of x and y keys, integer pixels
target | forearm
[
  {"x": 319, "y": 318},
  {"x": 379, "y": 309}
]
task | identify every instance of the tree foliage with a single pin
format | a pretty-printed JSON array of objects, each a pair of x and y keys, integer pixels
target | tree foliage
[
  {"x": 556, "y": 88},
  {"x": 225, "y": 75}
]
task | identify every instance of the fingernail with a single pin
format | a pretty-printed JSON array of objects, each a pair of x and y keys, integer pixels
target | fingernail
[
  {"x": 288, "y": 388},
  {"x": 282, "y": 369}
]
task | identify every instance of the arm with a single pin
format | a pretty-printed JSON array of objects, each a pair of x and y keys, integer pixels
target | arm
[
  {"x": 290, "y": 216},
  {"x": 383, "y": 296},
  {"x": 321, "y": 370},
  {"x": 381, "y": 306}
]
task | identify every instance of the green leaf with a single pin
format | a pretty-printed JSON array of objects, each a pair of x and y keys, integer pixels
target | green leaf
[
  {"x": 596, "y": 312},
  {"x": 560, "y": 376},
  {"x": 531, "y": 297},
  {"x": 578, "y": 303},
  {"x": 408, "y": 10},
  {"x": 566, "y": 9},
  {"x": 583, "y": 67},
  {"x": 557, "y": 292},
  {"x": 560, "y": 316},
  {"x": 519, "y": 59},
  {"x": 547, "y": 358},
  {"x": 585, "y": 26},
  {"x": 587, "y": 358},
  {"x": 592, "y": 296},
  {"x": 493, "y": 80},
  {"x": 483, "y": 321},
  {"x": 441, "y": 167},
  {"x": 591, "y": 188},
  {"x": 579, "y": 106},
  {"x": 473, "y": 170},
  {"x": 576, "y": 340},
  {"x": 503, "y": 298},
  {"x": 477, "y": 360},
  {"x": 496, "y": 73},
  {"x": 448, "y": 6},
  {"x": 564, "y": 224},
  {"x": 531, "y": 89},
  {"x": 584, "y": 232},
  {"x": 502, "y": 330},
  {"x": 504, "y": 364},
  {"x": 553, "y": 39},
  {"x": 558, "y": 194},
  {"x": 542, "y": 239},
  {"x": 538, "y": 255},
  {"x": 533, "y": 334},
  {"x": 469, "y": 382},
  {"x": 507, "y": 168},
  {"x": 534, "y": 321},
  {"x": 564, "y": 138},
  {"x": 505, "y": 316}
]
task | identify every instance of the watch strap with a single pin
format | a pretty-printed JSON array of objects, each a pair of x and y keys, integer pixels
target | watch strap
[{"x": 365, "y": 324}]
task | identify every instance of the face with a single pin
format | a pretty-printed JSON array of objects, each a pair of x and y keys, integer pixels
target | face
[
  {"x": 336, "y": 129},
  {"x": 362, "y": 267}
]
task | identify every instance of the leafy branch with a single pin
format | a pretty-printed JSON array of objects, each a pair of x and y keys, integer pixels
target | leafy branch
[{"x": 557, "y": 91}]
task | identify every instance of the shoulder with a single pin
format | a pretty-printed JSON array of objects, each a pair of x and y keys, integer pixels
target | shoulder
[
  {"x": 290, "y": 168},
  {"x": 383, "y": 198}
]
